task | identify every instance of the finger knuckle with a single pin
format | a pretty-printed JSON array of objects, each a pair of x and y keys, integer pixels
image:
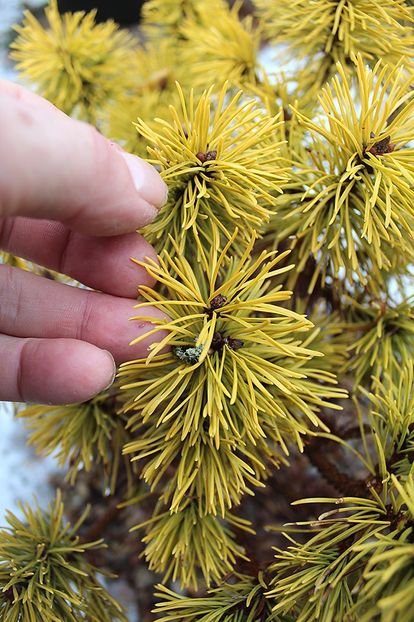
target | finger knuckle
[
  {"x": 27, "y": 358},
  {"x": 86, "y": 317}
]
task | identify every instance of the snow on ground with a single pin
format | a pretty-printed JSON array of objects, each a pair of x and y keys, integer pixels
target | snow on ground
[{"x": 23, "y": 475}]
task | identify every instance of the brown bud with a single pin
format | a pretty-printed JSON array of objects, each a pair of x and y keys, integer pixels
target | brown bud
[
  {"x": 382, "y": 146},
  {"x": 218, "y": 302},
  {"x": 219, "y": 341},
  {"x": 211, "y": 155},
  {"x": 206, "y": 157},
  {"x": 235, "y": 344}
]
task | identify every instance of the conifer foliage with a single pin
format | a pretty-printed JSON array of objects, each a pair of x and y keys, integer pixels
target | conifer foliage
[
  {"x": 44, "y": 573},
  {"x": 285, "y": 257}
]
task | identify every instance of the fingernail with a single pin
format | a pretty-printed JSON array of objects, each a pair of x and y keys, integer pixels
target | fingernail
[
  {"x": 114, "y": 369},
  {"x": 147, "y": 180}
]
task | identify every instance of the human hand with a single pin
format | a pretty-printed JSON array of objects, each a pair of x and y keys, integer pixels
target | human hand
[{"x": 70, "y": 201}]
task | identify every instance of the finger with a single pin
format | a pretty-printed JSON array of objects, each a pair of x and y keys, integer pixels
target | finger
[
  {"x": 102, "y": 263},
  {"x": 31, "y": 306},
  {"x": 55, "y": 167},
  {"x": 52, "y": 371}
]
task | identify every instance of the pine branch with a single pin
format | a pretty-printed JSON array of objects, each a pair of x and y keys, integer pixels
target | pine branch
[{"x": 317, "y": 450}]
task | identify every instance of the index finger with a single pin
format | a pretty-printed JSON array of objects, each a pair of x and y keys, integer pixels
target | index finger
[{"x": 57, "y": 168}]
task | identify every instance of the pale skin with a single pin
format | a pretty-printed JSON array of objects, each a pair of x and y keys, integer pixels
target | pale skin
[{"x": 71, "y": 201}]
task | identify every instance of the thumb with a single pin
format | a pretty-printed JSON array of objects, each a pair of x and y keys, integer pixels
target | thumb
[{"x": 53, "y": 167}]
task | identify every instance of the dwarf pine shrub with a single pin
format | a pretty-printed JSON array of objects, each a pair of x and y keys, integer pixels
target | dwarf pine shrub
[{"x": 285, "y": 256}]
